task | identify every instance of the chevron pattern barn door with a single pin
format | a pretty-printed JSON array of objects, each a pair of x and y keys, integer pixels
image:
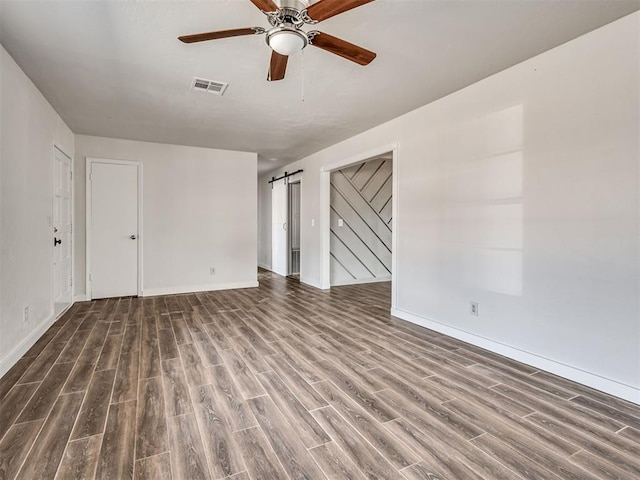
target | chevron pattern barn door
[{"x": 361, "y": 222}]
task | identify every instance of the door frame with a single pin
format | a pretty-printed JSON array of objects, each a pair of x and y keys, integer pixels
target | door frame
[
  {"x": 71, "y": 234},
  {"x": 325, "y": 213},
  {"x": 89, "y": 163}
]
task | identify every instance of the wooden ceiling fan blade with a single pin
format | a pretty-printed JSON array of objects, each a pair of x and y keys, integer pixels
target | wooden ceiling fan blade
[
  {"x": 265, "y": 5},
  {"x": 340, "y": 47},
  {"x": 236, "y": 32},
  {"x": 330, "y": 8},
  {"x": 277, "y": 67}
]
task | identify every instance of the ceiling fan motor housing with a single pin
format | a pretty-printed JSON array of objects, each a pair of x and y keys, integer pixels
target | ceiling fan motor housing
[
  {"x": 297, "y": 4},
  {"x": 286, "y": 16}
]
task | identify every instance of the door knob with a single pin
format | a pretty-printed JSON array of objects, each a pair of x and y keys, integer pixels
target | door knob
[
  {"x": 133, "y": 237},
  {"x": 56, "y": 241}
]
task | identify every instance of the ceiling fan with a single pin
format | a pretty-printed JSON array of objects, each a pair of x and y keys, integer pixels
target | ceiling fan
[{"x": 286, "y": 36}]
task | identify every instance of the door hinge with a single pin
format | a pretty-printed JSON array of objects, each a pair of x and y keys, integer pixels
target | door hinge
[
  {"x": 71, "y": 280},
  {"x": 89, "y": 277}
]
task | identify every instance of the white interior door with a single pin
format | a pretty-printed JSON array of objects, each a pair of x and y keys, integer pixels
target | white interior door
[
  {"x": 114, "y": 229},
  {"x": 279, "y": 228},
  {"x": 61, "y": 224}
]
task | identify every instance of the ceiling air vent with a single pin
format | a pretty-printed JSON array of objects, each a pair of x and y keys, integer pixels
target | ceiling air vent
[{"x": 209, "y": 86}]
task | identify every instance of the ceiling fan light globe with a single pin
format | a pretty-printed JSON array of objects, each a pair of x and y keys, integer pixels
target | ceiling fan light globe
[{"x": 287, "y": 42}]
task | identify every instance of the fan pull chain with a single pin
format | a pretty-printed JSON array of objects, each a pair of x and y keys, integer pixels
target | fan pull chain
[{"x": 302, "y": 86}]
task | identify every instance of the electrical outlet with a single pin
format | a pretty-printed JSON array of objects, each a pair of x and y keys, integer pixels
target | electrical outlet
[
  {"x": 313, "y": 222},
  {"x": 212, "y": 271},
  {"x": 474, "y": 309},
  {"x": 25, "y": 316},
  {"x": 340, "y": 222}
]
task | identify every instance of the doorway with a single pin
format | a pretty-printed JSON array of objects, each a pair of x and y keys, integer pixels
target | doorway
[
  {"x": 293, "y": 243},
  {"x": 373, "y": 189},
  {"x": 114, "y": 219},
  {"x": 62, "y": 228},
  {"x": 361, "y": 203}
]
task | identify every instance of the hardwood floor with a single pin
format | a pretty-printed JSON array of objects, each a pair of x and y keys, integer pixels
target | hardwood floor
[{"x": 288, "y": 382}]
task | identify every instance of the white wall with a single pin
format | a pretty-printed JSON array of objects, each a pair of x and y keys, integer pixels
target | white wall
[
  {"x": 520, "y": 192},
  {"x": 29, "y": 128},
  {"x": 199, "y": 211}
]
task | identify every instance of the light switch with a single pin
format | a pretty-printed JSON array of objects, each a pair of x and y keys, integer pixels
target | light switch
[
  {"x": 313, "y": 222},
  {"x": 340, "y": 222}
]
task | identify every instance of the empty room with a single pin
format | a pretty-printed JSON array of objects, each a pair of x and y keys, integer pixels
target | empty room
[{"x": 320, "y": 239}]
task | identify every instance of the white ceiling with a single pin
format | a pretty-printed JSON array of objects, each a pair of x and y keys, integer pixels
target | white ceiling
[{"x": 116, "y": 69}]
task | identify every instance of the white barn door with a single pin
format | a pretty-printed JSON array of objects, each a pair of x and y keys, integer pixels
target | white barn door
[{"x": 279, "y": 216}]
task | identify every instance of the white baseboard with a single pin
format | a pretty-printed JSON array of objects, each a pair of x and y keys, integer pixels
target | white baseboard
[
  {"x": 359, "y": 281},
  {"x": 23, "y": 347},
  {"x": 310, "y": 282},
  {"x": 80, "y": 298},
  {"x": 266, "y": 267},
  {"x": 150, "y": 292},
  {"x": 589, "y": 379}
]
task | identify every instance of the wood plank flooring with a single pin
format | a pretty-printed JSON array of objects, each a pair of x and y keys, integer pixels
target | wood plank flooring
[{"x": 288, "y": 382}]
